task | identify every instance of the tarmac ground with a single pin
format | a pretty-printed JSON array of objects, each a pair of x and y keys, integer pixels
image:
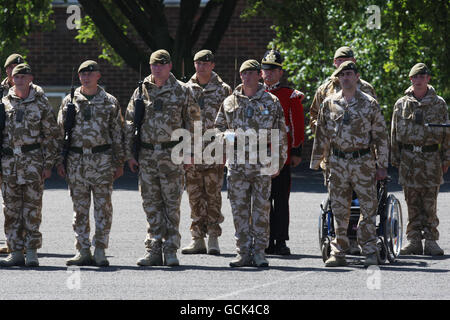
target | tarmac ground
[{"x": 299, "y": 276}]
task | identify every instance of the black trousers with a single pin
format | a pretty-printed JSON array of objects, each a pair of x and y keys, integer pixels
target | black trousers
[{"x": 279, "y": 205}]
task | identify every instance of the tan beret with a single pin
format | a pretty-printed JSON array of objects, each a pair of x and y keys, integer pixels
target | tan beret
[
  {"x": 160, "y": 57},
  {"x": 420, "y": 68},
  {"x": 347, "y": 65},
  {"x": 15, "y": 58},
  {"x": 250, "y": 65},
  {"x": 22, "y": 68},
  {"x": 89, "y": 65},
  {"x": 344, "y": 52},
  {"x": 204, "y": 55}
]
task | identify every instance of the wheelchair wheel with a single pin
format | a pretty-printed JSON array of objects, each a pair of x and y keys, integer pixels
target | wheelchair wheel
[
  {"x": 322, "y": 228},
  {"x": 324, "y": 239},
  {"x": 323, "y": 223},
  {"x": 324, "y": 232},
  {"x": 393, "y": 229}
]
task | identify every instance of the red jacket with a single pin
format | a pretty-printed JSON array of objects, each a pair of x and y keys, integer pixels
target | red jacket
[{"x": 293, "y": 114}]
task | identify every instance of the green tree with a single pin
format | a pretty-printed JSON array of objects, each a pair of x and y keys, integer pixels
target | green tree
[
  {"x": 309, "y": 31},
  {"x": 18, "y": 19}
]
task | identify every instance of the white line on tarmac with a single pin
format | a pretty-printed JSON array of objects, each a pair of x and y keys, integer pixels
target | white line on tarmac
[{"x": 238, "y": 292}]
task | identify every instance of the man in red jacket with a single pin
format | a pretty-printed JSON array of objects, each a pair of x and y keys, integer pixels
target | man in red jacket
[{"x": 291, "y": 101}]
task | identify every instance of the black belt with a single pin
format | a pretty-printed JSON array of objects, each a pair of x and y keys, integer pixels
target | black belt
[
  {"x": 97, "y": 149},
  {"x": 159, "y": 146},
  {"x": 23, "y": 149},
  {"x": 350, "y": 155},
  {"x": 411, "y": 147}
]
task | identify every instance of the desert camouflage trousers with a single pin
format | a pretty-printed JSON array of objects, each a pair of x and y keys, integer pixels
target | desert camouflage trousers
[
  {"x": 205, "y": 199},
  {"x": 81, "y": 198},
  {"x": 249, "y": 195},
  {"x": 347, "y": 176},
  {"x": 422, "y": 217},
  {"x": 161, "y": 193},
  {"x": 22, "y": 207}
]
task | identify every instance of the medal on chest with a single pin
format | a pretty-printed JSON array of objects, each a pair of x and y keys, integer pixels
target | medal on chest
[
  {"x": 264, "y": 110},
  {"x": 249, "y": 112}
]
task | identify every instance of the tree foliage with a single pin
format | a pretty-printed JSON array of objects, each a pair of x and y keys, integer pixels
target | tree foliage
[
  {"x": 129, "y": 30},
  {"x": 411, "y": 31},
  {"x": 18, "y": 19}
]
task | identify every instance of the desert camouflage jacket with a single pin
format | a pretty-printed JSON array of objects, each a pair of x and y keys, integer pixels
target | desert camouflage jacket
[
  {"x": 98, "y": 122},
  {"x": 167, "y": 109},
  {"x": 349, "y": 127},
  {"x": 209, "y": 99},
  {"x": 261, "y": 111},
  {"x": 420, "y": 169},
  {"x": 29, "y": 121},
  {"x": 328, "y": 88}
]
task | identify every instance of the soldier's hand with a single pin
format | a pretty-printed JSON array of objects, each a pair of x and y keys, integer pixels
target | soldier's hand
[
  {"x": 118, "y": 173},
  {"x": 133, "y": 164},
  {"x": 297, "y": 94},
  {"x": 295, "y": 161},
  {"x": 276, "y": 174},
  {"x": 61, "y": 171},
  {"x": 381, "y": 174},
  {"x": 46, "y": 173}
]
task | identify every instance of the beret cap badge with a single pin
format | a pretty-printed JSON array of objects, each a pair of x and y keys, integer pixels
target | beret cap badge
[{"x": 271, "y": 57}]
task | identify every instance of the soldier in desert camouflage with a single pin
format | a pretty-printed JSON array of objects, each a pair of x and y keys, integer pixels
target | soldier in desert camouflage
[
  {"x": 329, "y": 87},
  {"x": 349, "y": 124},
  {"x": 11, "y": 62},
  {"x": 29, "y": 151},
  {"x": 332, "y": 85},
  {"x": 422, "y": 154},
  {"x": 204, "y": 181},
  {"x": 169, "y": 106},
  {"x": 249, "y": 187},
  {"x": 95, "y": 159}
]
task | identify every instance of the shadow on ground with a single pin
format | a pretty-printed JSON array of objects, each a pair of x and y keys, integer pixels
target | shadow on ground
[{"x": 303, "y": 180}]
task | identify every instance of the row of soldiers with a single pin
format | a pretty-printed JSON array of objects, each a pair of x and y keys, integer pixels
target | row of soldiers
[
  {"x": 100, "y": 141},
  {"x": 350, "y": 145}
]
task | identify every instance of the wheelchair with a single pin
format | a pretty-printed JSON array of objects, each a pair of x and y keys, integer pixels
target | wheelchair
[{"x": 389, "y": 224}]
